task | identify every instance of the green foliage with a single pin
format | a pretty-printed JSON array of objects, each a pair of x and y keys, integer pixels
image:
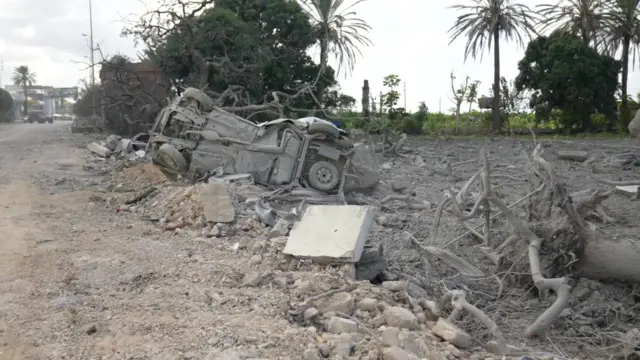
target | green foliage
[
  {"x": 391, "y": 97},
  {"x": 6, "y": 106},
  {"x": 24, "y": 77},
  {"x": 258, "y": 45},
  {"x": 566, "y": 74}
]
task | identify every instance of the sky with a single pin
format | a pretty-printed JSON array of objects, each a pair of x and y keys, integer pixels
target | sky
[{"x": 410, "y": 40}]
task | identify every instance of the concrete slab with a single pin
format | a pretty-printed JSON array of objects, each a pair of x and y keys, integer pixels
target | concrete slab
[
  {"x": 629, "y": 189},
  {"x": 331, "y": 233},
  {"x": 217, "y": 203}
]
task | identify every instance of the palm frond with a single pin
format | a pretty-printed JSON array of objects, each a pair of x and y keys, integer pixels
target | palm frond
[
  {"x": 478, "y": 22},
  {"x": 339, "y": 27}
]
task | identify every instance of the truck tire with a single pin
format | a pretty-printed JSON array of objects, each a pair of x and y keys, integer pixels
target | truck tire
[
  {"x": 206, "y": 104},
  {"x": 50, "y": 120},
  {"x": 169, "y": 157},
  {"x": 324, "y": 176}
]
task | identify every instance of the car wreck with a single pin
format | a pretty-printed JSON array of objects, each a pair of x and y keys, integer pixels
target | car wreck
[{"x": 196, "y": 139}]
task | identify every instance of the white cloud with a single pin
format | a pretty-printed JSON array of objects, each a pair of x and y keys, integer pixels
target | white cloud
[{"x": 410, "y": 39}]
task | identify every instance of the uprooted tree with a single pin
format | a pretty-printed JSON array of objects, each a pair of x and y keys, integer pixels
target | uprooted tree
[
  {"x": 556, "y": 240},
  {"x": 250, "y": 57}
]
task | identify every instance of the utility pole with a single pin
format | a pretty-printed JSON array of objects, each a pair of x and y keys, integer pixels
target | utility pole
[
  {"x": 440, "y": 105},
  {"x": 405, "y": 96},
  {"x": 1, "y": 71},
  {"x": 93, "y": 74}
]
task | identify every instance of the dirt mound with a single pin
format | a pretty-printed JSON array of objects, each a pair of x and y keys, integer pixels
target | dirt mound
[{"x": 145, "y": 173}]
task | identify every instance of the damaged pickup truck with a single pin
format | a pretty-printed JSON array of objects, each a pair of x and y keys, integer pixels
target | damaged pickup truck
[{"x": 195, "y": 139}]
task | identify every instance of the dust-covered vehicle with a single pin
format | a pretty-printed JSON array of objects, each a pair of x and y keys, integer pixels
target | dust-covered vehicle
[{"x": 194, "y": 138}]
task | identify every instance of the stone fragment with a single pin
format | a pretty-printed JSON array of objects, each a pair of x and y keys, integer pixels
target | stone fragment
[
  {"x": 451, "y": 333},
  {"x": 400, "y": 317},
  {"x": 338, "y": 325}
]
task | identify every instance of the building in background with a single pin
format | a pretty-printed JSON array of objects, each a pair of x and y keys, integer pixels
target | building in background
[{"x": 45, "y": 99}]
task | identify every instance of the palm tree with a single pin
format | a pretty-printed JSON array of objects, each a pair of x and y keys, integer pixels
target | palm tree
[
  {"x": 22, "y": 76},
  {"x": 578, "y": 17},
  {"x": 621, "y": 30},
  {"x": 482, "y": 24},
  {"x": 338, "y": 31}
]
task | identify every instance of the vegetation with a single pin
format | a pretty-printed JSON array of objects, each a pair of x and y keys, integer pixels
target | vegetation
[
  {"x": 483, "y": 23},
  {"x": 338, "y": 31},
  {"x": 6, "y": 106},
  {"x": 250, "y": 55},
  {"x": 24, "y": 77}
]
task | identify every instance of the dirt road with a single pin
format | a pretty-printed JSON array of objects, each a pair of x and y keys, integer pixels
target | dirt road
[{"x": 80, "y": 281}]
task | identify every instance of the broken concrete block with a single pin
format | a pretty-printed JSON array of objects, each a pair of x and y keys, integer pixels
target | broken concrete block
[
  {"x": 396, "y": 353},
  {"x": 400, "y": 317},
  {"x": 338, "y": 325},
  {"x": 112, "y": 142},
  {"x": 628, "y": 189},
  {"x": 395, "y": 286},
  {"x": 571, "y": 155},
  {"x": 331, "y": 233},
  {"x": 217, "y": 204},
  {"x": 124, "y": 146},
  {"x": 99, "y": 150},
  {"x": 340, "y": 302},
  {"x": 281, "y": 228},
  {"x": 452, "y": 334}
]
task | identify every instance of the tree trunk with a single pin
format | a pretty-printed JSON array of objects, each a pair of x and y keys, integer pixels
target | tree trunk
[
  {"x": 366, "y": 110},
  {"x": 624, "y": 109},
  {"x": 457, "y": 125},
  {"x": 496, "y": 122},
  {"x": 25, "y": 102},
  {"x": 324, "y": 59}
]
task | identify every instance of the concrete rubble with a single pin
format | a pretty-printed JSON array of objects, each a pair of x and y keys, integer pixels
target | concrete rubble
[{"x": 330, "y": 233}]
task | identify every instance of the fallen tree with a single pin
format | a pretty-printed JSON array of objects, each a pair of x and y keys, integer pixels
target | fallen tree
[{"x": 555, "y": 238}]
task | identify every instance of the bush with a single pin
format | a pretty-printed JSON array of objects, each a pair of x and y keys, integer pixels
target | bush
[{"x": 6, "y": 106}]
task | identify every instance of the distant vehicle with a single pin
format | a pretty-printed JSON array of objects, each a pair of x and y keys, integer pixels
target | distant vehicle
[
  {"x": 39, "y": 117},
  {"x": 61, "y": 117}
]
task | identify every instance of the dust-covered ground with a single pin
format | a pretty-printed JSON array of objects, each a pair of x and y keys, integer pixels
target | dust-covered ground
[{"x": 82, "y": 276}]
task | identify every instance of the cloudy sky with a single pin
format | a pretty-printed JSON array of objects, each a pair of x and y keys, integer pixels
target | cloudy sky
[{"x": 410, "y": 40}]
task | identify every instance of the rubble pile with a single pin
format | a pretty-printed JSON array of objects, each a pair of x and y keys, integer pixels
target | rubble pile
[{"x": 392, "y": 314}]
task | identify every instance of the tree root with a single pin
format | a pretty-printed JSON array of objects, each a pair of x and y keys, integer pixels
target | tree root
[
  {"x": 457, "y": 299},
  {"x": 481, "y": 206}
]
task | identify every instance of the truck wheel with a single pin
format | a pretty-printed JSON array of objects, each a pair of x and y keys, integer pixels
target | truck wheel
[
  {"x": 50, "y": 120},
  {"x": 323, "y": 176},
  {"x": 205, "y": 102},
  {"x": 169, "y": 157}
]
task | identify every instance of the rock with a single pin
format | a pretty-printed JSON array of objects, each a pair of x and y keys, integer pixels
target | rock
[
  {"x": 325, "y": 350},
  {"x": 217, "y": 205},
  {"x": 451, "y": 333},
  {"x": 281, "y": 228},
  {"x": 391, "y": 337},
  {"x": 400, "y": 317},
  {"x": 367, "y": 304},
  {"x": 570, "y": 155},
  {"x": 280, "y": 281},
  {"x": 311, "y": 354},
  {"x": 303, "y": 287},
  {"x": 395, "y": 285},
  {"x": 252, "y": 279},
  {"x": 255, "y": 259},
  {"x": 112, "y": 142},
  {"x": 310, "y": 313},
  {"x": 90, "y": 329},
  {"x": 454, "y": 350},
  {"x": 396, "y": 353},
  {"x": 215, "y": 231},
  {"x": 99, "y": 150},
  {"x": 338, "y": 325},
  {"x": 634, "y": 125},
  {"x": 340, "y": 302}
]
